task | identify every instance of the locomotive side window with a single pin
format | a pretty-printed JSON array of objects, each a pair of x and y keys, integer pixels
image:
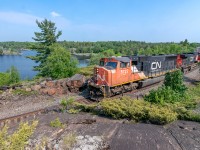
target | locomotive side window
[
  {"x": 101, "y": 63},
  {"x": 123, "y": 65}
]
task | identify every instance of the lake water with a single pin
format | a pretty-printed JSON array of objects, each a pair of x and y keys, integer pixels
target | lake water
[{"x": 25, "y": 65}]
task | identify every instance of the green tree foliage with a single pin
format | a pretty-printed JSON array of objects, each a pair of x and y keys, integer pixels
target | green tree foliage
[
  {"x": 4, "y": 79},
  {"x": 59, "y": 64},
  {"x": 17, "y": 140},
  {"x": 94, "y": 60},
  {"x": 163, "y": 95},
  {"x": 10, "y": 77},
  {"x": 174, "y": 80},
  {"x": 14, "y": 75},
  {"x": 172, "y": 91},
  {"x": 48, "y": 34},
  {"x": 123, "y": 47},
  {"x": 46, "y": 38}
]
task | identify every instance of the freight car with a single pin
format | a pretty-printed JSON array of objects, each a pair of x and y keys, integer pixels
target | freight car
[{"x": 116, "y": 75}]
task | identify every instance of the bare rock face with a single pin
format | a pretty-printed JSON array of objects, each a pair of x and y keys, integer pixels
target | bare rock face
[
  {"x": 43, "y": 84},
  {"x": 58, "y": 87},
  {"x": 50, "y": 84},
  {"x": 88, "y": 142},
  {"x": 28, "y": 89},
  {"x": 51, "y": 91},
  {"x": 44, "y": 91},
  {"x": 36, "y": 87}
]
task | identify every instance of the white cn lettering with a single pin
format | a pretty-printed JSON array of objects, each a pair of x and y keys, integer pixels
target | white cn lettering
[{"x": 155, "y": 65}]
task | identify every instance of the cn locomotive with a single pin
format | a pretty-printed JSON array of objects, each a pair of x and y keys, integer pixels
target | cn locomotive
[{"x": 116, "y": 75}]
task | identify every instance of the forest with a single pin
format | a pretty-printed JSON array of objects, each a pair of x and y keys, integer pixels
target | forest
[{"x": 118, "y": 47}]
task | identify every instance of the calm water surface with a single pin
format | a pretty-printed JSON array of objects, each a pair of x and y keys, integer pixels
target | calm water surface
[{"x": 25, "y": 65}]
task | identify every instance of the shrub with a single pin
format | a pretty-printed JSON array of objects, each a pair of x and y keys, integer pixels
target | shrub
[
  {"x": 87, "y": 71},
  {"x": 14, "y": 76},
  {"x": 63, "y": 103},
  {"x": 163, "y": 95},
  {"x": 56, "y": 123},
  {"x": 85, "y": 107},
  {"x": 137, "y": 110},
  {"x": 4, "y": 79},
  {"x": 66, "y": 103},
  {"x": 194, "y": 92},
  {"x": 174, "y": 80},
  {"x": 185, "y": 114},
  {"x": 10, "y": 77},
  {"x": 161, "y": 115},
  {"x": 115, "y": 108},
  {"x": 173, "y": 90},
  {"x": 19, "y": 138}
]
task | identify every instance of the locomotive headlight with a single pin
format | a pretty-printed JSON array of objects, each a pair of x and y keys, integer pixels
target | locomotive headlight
[{"x": 97, "y": 70}]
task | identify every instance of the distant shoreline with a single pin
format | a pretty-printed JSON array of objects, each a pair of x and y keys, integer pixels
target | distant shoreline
[{"x": 10, "y": 53}]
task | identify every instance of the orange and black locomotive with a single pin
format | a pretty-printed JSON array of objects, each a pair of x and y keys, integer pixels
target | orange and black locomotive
[{"x": 116, "y": 75}]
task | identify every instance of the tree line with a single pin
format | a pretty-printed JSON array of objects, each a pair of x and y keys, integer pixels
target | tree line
[{"x": 122, "y": 47}]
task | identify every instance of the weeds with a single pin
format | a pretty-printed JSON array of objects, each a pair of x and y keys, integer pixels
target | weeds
[
  {"x": 56, "y": 123},
  {"x": 73, "y": 111},
  {"x": 19, "y": 138},
  {"x": 66, "y": 103},
  {"x": 23, "y": 92},
  {"x": 68, "y": 141}
]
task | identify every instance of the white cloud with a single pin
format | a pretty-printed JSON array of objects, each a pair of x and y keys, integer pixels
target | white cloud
[
  {"x": 18, "y": 18},
  {"x": 55, "y": 14}
]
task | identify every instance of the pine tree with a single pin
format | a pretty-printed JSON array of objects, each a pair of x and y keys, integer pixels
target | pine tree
[{"x": 47, "y": 37}]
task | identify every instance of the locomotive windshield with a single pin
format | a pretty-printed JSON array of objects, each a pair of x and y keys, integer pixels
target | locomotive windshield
[{"x": 111, "y": 64}]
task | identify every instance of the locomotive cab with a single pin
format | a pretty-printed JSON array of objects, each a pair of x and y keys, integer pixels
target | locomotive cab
[{"x": 115, "y": 75}]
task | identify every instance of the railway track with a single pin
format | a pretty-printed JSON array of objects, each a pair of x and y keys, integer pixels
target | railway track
[
  {"x": 18, "y": 118},
  {"x": 34, "y": 114}
]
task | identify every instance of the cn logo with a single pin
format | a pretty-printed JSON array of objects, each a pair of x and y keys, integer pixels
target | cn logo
[{"x": 155, "y": 65}]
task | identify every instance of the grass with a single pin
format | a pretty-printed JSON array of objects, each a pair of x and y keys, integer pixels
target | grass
[{"x": 23, "y": 92}]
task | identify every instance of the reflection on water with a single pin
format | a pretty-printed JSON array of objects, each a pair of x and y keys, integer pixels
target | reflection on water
[
  {"x": 25, "y": 65},
  {"x": 83, "y": 63}
]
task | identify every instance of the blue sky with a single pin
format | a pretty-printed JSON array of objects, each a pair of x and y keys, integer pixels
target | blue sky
[{"x": 103, "y": 20}]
